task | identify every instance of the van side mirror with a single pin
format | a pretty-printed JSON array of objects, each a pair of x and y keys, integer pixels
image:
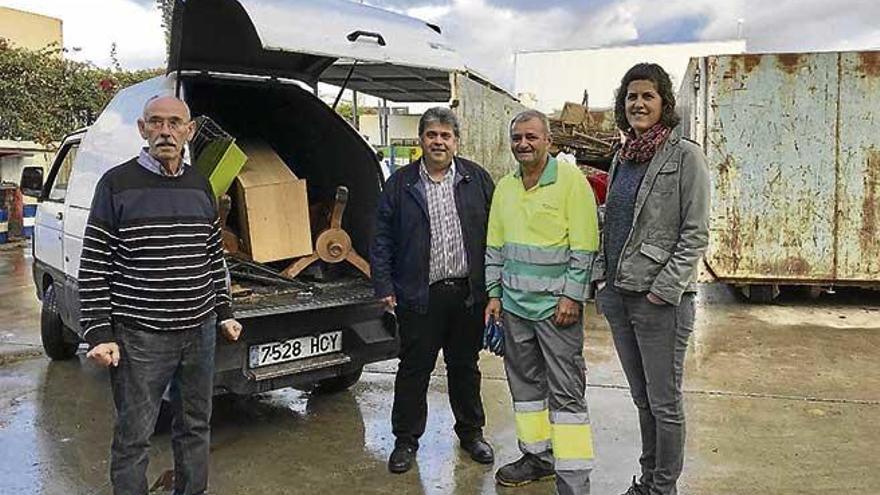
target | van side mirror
[{"x": 31, "y": 183}]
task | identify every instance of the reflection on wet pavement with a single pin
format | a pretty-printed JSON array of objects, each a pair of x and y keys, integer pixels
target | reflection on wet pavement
[{"x": 780, "y": 399}]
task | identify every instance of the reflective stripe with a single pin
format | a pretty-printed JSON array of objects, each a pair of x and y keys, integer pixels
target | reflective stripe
[
  {"x": 569, "y": 418},
  {"x": 537, "y": 271},
  {"x": 532, "y": 284},
  {"x": 494, "y": 262},
  {"x": 4, "y": 226},
  {"x": 582, "y": 259},
  {"x": 573, "y": 464},
  {"x": 28, "y": 221},
  {"x": 533, "y": 427},
  {"x": 530, "y": 406},
  {"x": 535, "y": 255},
  {"x": 493, "y": 255},
  {"x": 574, "y": 290},
  {"x": 535, "y": 448},
  {"x": 572, "y": 441}
]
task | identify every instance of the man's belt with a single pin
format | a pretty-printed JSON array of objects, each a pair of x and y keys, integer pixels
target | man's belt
[{"x": 451, "y": 282}]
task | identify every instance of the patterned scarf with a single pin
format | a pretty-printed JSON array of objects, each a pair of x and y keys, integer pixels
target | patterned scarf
[{"x": 642, "y": 148}]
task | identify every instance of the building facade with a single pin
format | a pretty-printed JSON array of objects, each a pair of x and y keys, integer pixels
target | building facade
[
  {"x": 547, "y": 79},
  {"x": 28, "y": 30}
]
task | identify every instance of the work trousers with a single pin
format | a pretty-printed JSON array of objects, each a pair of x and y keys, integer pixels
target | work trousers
[
  {"x": 547, "y": 378},
  {"x": 457, "y": 329},
  {"x": 149, "y": 362},
  {"x": 651, "y": 341}
]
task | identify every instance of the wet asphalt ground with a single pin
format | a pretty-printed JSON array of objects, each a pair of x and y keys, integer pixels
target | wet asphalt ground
[{"x": 781, "y": 399}]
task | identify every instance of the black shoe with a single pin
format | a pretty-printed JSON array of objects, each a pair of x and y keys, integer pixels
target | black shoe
[
  {"x": 636, "y": 489},
  {"x": 401, "y": 459},
  {"x": 527, "y": 469},
  {"x": 480, "y": 450}
]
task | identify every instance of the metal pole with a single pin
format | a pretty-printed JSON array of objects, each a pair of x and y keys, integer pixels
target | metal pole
[
  {"x": 383, "y": 122},
  {"x": 354, "y": 110}
]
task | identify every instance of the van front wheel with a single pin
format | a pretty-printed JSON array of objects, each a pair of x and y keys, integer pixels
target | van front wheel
[{"x": 52, "y": 329}]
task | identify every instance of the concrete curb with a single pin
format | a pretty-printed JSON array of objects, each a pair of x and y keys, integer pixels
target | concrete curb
[
  {"x": 13, "y": 245},
  {"x": 18, "y": 352}
]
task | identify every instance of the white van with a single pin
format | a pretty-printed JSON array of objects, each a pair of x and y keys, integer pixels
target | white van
[{"x": 251, "y": 66}]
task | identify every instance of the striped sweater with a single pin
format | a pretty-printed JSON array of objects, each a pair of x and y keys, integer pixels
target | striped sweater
[{"x": 152, "y": 255}]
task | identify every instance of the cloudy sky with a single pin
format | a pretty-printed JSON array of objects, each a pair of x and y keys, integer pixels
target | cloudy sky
[{"x": 487, "y": 32}]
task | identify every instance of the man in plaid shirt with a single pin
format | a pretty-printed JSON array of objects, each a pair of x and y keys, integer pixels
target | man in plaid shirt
[{"x": 427, "y": 265}]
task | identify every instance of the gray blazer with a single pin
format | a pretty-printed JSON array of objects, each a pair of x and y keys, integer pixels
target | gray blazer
[{"x": 670, "y": 230}]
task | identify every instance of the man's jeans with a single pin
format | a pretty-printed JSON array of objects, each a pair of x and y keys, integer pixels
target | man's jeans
[
  {"x": 651, "y": 341},
  {"x": 149, "y": 362}
]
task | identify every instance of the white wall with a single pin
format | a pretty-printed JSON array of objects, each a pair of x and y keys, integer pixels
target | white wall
[
  {"x": 399, "y": 127},
  {"x": 551, "y": 78}
]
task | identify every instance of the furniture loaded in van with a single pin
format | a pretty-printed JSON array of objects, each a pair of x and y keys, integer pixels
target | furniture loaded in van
[{"x": 318, "y": 329}]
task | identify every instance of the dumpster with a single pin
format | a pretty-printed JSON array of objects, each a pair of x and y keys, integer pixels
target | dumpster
[
  {"x": 4, "y": 226},
  {"x": 29, "y": 214},
  {"x": 795, "y": 167}
]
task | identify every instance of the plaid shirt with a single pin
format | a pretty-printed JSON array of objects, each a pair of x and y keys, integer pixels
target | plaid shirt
[{"x": 448, "y": 256}]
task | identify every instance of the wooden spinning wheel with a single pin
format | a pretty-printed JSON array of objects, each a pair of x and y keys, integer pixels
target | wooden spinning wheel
[{"x": 333, "y": 244}]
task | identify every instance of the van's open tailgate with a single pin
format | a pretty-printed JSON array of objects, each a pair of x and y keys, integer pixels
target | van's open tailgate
[{"x": 300, "y": 39}]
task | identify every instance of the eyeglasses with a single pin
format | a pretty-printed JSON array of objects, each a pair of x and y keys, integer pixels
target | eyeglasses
[{"x": 174, "y": 124}]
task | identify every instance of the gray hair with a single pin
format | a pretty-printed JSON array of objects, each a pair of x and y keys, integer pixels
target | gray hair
[
  {"x": 162, "y": 96},
  {"x": 527, "y": 115},
  {"x": 439, "y": 115}
]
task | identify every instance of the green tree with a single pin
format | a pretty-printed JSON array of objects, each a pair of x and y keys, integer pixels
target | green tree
[
  {"x": 44, "y": 96},
  {"x": 166, "y": 7},
  {"x": 344, "y": 109}
]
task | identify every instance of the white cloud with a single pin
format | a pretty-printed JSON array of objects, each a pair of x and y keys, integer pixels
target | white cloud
[
  {"x": 808, "y": 25},
  {"x": 429, "y": 12},
  {"x": 93, "y": 25},
  {"x": 776, "y": 25},
  {"x": 488, "y": 35}
]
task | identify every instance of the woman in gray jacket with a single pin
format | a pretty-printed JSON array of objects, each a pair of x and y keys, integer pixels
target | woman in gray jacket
[{"x": 655, "y": 232}]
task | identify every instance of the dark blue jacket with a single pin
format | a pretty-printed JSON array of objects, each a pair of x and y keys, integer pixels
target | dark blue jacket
[{"x": 401, "y": 249}]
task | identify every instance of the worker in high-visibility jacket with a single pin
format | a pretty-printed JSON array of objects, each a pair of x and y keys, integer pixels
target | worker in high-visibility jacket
[{"x": 541, "y": 240}]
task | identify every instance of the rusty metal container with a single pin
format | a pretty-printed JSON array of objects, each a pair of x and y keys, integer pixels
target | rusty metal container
[{"x": 794, "y": 154}]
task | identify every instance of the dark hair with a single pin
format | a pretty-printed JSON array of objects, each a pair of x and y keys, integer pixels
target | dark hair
[
  {"x": 439, "y": 115},
  {"x": 658, "y": 76}
]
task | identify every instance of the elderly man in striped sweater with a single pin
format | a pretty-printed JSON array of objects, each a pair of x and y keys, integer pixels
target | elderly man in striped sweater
[{"x": 152, "y": 284}]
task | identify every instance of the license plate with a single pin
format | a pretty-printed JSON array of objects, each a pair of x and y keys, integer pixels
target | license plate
[{"x": 293, "y": 349}]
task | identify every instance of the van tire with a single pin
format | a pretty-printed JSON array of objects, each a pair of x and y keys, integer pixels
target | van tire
[
  {"x": 52, "y": 330},
  {"x": 339, "y": 383}
]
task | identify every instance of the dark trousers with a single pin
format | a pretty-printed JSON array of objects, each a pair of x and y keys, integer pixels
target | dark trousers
[
  {"x": 449, "y": 325},
  {"x": 149, "y": 362},
  {"x": 651, "y": 341}
]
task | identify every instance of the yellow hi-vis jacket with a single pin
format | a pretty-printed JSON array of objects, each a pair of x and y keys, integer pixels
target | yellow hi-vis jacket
[{"x": 541, "y": 242}]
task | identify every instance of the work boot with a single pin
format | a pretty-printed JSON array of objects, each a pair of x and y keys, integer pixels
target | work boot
[
  {"x": 401, "y": 459},
  {"x": 525, "y": 470},
  {"x": 636, "y": 489}
]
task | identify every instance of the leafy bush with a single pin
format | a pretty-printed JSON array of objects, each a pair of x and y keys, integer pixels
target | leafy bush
[{"x": 43, "y": 96}]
